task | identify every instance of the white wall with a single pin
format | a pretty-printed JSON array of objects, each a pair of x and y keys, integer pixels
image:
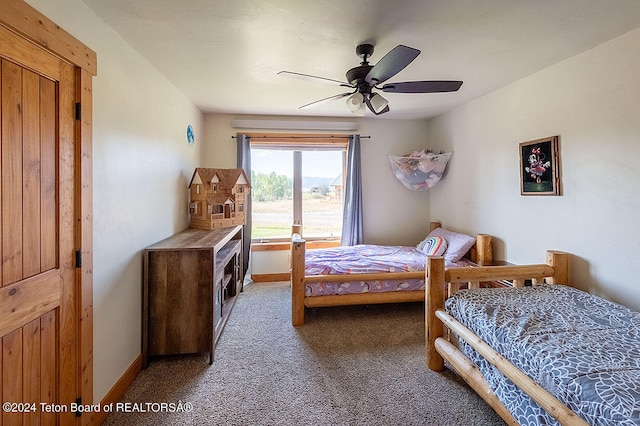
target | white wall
[
  {"x": 141, "y": 165},
  {"x": 592, "y": 102},
  {"x": 392, "y": 213}
]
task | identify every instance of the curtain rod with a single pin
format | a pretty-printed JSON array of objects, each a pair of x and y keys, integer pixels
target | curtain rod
[{"x": 301, "y": 137}]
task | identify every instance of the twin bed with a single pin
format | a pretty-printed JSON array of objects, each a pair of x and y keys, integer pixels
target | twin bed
[
  {"x": 535, "y": 349},
  {"x": 370, "y": 274},
  {"x": 544, "y": 353}
]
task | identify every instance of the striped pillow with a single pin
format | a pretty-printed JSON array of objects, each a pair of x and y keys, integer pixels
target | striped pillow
[
  {"x": 432, "y": 246},
  {"x": 457, "y": 244}
]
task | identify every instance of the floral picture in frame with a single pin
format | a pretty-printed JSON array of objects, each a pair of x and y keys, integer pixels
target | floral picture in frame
[{"x": 539, "y": 167}]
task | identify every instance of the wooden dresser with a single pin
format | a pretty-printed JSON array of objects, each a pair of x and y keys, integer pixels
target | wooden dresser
[{"x": 190, "y": 283}]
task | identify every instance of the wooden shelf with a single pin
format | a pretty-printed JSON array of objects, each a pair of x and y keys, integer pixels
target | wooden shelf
[
  {"x": 223, "y": 256},
  {"x": 226, "y": 279}
]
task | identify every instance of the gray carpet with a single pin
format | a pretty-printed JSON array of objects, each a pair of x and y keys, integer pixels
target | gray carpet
[{"x": 360, "y": 365}]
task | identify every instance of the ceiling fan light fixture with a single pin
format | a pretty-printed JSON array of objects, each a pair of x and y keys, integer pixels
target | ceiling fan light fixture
[
  {"x": 360, "y": 112},
  {"x": 378, "y": 102},
  {"x": 355, "y": 102}
]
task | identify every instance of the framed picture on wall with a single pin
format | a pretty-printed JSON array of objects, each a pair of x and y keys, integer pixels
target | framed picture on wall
[{"x": 540, "y": 167}]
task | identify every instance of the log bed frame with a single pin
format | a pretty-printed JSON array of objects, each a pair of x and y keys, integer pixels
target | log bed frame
[
  {"x": 439, "y": 282},
  {"x": 481, "y": 252}
]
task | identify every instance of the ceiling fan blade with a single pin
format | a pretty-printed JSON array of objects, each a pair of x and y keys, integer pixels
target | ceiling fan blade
[
  {"x": 432, "y": 86},
  {"x": 325, "y": 100},
  {"x": 313, "y": 78},
  {"x": 367, "y": 102},
  {"x": 391, "y": 64}
]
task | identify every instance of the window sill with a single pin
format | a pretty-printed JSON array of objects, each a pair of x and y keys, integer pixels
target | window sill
[{"x": 286, "y": 245}]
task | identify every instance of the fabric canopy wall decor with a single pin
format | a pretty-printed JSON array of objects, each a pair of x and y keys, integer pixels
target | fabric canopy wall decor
[{"x": 419, "y": 170}]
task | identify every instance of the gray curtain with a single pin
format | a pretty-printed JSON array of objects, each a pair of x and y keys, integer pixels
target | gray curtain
[
  {"x": 244, "y": 162},
  {"x": 352, "y": 215}
]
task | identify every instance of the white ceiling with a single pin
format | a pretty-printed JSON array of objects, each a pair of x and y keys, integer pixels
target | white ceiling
[{"x": 225, "y": 54}]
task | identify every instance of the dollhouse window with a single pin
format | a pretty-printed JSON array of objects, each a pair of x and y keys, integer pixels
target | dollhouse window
[
  {"x": 194, "y": 208},
  {"x": 214, "y": 184}
]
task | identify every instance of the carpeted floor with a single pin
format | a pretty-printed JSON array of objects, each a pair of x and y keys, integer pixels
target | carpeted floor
[{"x": 360, "y": 365}]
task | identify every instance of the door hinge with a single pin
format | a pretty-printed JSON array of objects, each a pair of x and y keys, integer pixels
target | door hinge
[
  {"x": 78, "y": 258},
  {"x": 78, "y": 111},
  {"x": 78, "y": 404}
]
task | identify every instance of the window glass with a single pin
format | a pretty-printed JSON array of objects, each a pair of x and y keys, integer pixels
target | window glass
[
  {"x": 271, "y": 193},
  {"x": 322, "y": 196},
  {"x": 318, "y": 201}
]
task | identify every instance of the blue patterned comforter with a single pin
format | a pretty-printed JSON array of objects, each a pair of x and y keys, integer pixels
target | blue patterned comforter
[{"x": 581, "y": 348}]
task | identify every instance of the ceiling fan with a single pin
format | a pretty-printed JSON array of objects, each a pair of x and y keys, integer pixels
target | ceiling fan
[{"x": 365, "y": 78}]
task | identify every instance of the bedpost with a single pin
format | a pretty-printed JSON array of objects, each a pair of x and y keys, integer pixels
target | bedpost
[
  {"x": 433, "y": 225},
  {"x": 560, "y": 262},
  {"x": 297, "y": 280},
  {"x": 296, "y": 228},
  {"x": 434, "y": 300},
  {"x": 484, "y": 249}
]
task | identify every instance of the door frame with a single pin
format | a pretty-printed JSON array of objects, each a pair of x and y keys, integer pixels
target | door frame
[{"x": 22, "y": 19}]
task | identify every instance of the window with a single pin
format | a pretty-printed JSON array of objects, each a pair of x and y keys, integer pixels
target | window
[{"x": 297, "y": 181}]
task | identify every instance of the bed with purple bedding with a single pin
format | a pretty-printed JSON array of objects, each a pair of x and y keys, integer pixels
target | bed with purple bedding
[
  {"x": 366, "y": 259},
  {"x": 370, "y": 274}
]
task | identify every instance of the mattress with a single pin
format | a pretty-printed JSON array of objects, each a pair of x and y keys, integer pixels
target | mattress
[
  {"x": 582, "y": 349},
  {"x": 365, "y": 259}
]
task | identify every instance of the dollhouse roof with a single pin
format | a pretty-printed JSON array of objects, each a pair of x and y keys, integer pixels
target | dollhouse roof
[
  {"x": 220, "y": 199},
  {"x": 227, "y": 178}
]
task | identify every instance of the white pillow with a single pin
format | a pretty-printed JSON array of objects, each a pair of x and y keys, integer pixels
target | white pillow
[
  {"x": 457, "y": 244},
  {"x": 432, "y": 246}
]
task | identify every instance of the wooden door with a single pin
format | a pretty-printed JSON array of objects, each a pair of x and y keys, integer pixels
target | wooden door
[{"x": 39, "y": 360}]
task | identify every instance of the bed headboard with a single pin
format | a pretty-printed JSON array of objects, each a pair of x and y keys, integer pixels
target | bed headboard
[
  {"x": 439, "y": 280},
  {"x": 482, "y": 250}
]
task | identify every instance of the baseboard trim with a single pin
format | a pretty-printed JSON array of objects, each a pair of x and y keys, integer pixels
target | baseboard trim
[
  {"x": 265, "y": 278},
  {"x": 116, "y": 393}
]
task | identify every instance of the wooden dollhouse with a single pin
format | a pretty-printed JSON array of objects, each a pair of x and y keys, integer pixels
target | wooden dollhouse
[{"x": 217, "y": 198}]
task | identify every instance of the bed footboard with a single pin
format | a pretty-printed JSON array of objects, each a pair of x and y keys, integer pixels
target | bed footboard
[
  {"x": 298, "y": 279},
  {"x": 298, "y": 250}
]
